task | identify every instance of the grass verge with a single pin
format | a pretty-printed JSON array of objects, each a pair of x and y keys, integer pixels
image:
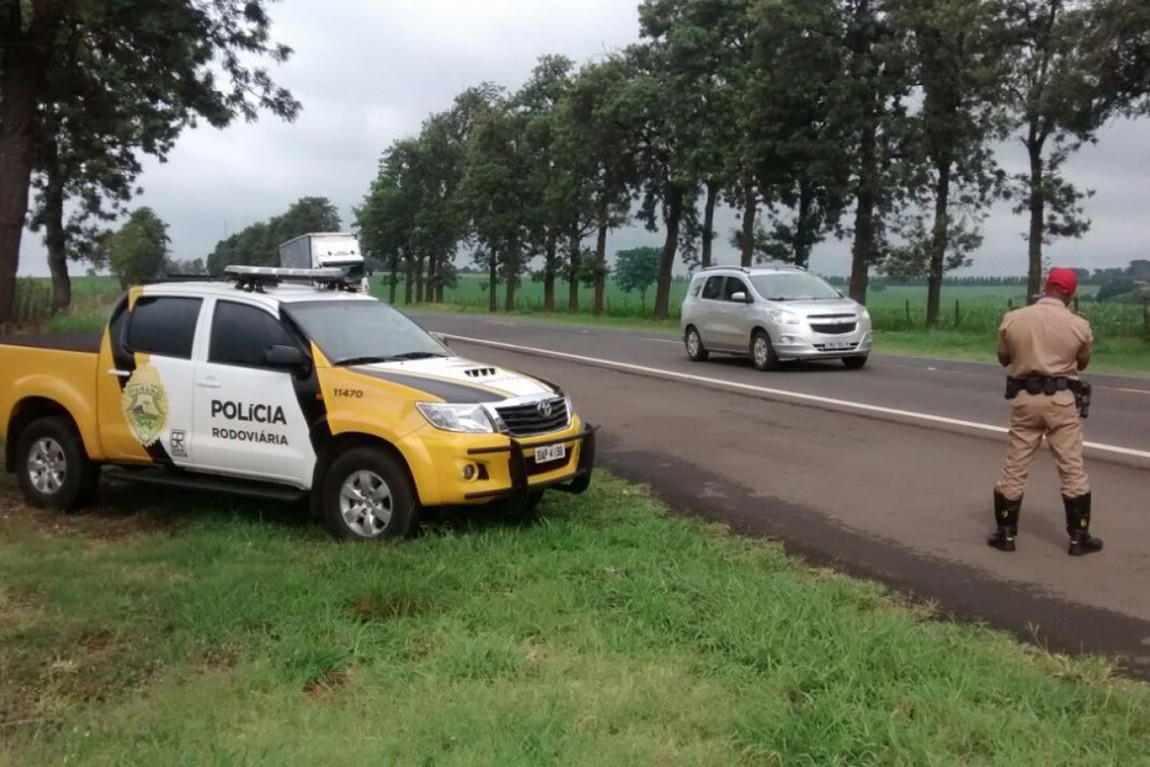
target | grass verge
[{"x": 201, "y": 631}]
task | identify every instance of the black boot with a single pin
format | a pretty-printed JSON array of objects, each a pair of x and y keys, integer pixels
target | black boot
[
  {"x": 1078, "y": 526},
  {"x": 1006, "y": 514}
]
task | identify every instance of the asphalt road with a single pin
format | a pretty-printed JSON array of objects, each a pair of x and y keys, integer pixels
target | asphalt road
[{"x": 894, "y": 491}]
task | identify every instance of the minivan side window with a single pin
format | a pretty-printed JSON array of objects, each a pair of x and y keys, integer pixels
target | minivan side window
[
  {"x": 734, "y": 285},
  {"x": 164, "y": 325},
  {"x": 241, "y": 334},
  {"x": 714, "y": 288}
]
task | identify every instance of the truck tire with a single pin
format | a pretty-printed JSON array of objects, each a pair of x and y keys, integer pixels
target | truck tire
[
  {"x": 52, "y": 467},
  {"x": 367, "y": 496}
]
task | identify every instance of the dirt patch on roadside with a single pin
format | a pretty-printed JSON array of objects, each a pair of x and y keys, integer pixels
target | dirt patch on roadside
[{"x": 120, "y": 513}]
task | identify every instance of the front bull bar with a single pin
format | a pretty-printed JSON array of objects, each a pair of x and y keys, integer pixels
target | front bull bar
[{"x": 517, "y": 467}]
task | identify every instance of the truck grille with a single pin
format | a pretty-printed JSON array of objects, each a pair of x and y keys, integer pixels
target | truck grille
[{"x": 533, "y": 418}]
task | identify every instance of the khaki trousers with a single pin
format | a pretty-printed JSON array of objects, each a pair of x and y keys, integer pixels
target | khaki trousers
[{"x": 1033, "y": 416}]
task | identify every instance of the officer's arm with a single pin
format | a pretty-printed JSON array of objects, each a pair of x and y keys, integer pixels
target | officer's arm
[
  {"x": 1085, "y": 349},
  {"x": 1003, "y": 349}
]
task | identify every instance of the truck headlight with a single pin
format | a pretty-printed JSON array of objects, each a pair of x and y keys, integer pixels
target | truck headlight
[
  {"x": 783, "y": 317},
  {"x": 468, "y": 419}
]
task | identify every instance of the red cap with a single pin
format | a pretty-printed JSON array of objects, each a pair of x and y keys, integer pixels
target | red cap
[{"x": 1064, "y": 279}]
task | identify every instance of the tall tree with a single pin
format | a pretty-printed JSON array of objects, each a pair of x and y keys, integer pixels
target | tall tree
[
  {"x": 637, "y": 269},
  {"x": 1058, "y": 101},
  {"x": 869, "y": 111},
  {"x": 192, "y": 56},
  {"x": 137, "y": 251},
  {"x": 594, "y": 147},
  {"x": 957, "y": 50},
  {"x": 664, "y": 116}
]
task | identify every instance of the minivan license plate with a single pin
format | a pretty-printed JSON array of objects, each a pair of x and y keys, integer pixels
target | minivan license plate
[
  {"x": 837, "y": 345},
  {"x": 549, "y": 453}
]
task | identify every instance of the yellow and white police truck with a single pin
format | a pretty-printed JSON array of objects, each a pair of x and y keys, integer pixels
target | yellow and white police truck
[{"x": 283, "y": 383}]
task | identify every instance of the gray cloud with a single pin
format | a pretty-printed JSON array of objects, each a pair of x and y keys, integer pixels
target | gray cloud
[{"x": 370, "y": 71}]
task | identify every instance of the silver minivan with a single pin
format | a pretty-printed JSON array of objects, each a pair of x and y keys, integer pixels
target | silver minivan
[{"x": 773, "y": 315}]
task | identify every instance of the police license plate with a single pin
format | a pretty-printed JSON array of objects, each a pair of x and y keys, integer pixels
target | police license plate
[
  {"x": 549, "y": 453},
  {"x": 829, "y": 345}
]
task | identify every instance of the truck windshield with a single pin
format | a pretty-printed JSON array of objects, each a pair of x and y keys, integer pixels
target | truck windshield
[
  {"x": 360, "y": 332},
  {"x": 793, "y": 286}
]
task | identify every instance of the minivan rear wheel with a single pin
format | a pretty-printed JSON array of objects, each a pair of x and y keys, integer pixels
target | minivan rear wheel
[
  {"x": 695, "y": 349},
  {"x": 762, "y": 352}
]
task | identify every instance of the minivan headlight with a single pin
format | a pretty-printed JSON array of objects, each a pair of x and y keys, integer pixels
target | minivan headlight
[
  {"x": 783, "y": 317},
  {"x": 467, "y": 419},
  {"x": 864, "y": 313}
]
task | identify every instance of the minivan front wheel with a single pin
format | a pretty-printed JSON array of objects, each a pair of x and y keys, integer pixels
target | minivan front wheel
[
  {"x": 762, "y": 353},
  {"x": 854, "y": 363},
  {"x": 695, "y": 349}
]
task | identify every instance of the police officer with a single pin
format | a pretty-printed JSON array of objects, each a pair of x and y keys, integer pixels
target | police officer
[{"x": 1045, "y": 345}]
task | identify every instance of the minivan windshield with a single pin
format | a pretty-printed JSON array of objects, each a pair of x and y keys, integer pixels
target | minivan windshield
[
  {"x": 793, "y": 286},
  {"x": 361, "y": 332}
]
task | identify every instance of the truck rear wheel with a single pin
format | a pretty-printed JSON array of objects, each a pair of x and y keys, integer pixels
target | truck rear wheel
[
  {"x": 53, "y": 468},
  {"x": 367, "y": 497}
]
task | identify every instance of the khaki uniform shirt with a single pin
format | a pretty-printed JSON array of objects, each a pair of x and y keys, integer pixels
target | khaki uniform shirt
[{"x": 1045, "y": 339}]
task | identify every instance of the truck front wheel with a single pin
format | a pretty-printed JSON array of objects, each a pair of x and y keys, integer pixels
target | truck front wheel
[
  {"x": 53, "y": 469},
  {"x": 367, "y": 496}
]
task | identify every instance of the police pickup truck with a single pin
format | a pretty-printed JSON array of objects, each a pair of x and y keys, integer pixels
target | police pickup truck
[{"x": 283, "y": 383}]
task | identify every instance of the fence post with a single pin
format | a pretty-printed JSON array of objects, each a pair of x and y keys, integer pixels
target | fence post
[
  {"x": 957, "y": 317},
  {"x": 908, "y": 313}
]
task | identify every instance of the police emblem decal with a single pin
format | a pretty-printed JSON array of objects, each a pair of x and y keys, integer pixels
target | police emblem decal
[{"x": 145, "y": 404}]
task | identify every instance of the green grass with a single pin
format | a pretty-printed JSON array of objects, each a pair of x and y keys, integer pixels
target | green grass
[{"x": 208, "y": 632}]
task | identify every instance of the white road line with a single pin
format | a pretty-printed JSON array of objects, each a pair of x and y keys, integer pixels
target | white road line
[
  {"x": 676, "y": 342},
  {"x": 1128, "y": 391},
  {"x": 846, "y": 404}
]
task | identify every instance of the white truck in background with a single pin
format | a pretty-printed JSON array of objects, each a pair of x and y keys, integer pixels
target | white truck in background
[{"x": 320, "y": 250}]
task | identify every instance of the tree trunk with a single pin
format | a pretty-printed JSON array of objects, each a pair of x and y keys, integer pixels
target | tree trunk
[
  {"x": 511, "y": 274},
  {"x": 804, "y": 227},
  {"x": 493, "y": 282},
  {"x": 575, "y": 263},
  {"x": 432, "y": 277},
  {"x": 420, "y": 282},
  {"x": 22, "y": 72},
  {"x": 55, "y": 237},
  {"x": 709, "y": 222},
  {"x": 866, "y": 200},
  {"x": 673, "y": 218},
  {"x": 393, "y": 279},
  {"x": 549, "y": 269},
  {"x": 1037, "y": 216},
  {"x": 938, "y": 243},
  {"x": 601, "y": 256},
  {"x": 750, "y": 209},
  {"x": 409, "y": 282}
]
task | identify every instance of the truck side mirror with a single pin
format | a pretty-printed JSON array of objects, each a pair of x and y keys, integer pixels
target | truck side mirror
[{"x": 288, "y": 358}]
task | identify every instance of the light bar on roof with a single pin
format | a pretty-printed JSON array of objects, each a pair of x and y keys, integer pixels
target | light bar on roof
[{"x": 281, "y": 274}]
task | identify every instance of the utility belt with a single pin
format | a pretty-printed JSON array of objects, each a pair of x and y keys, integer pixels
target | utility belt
[{"x": 1049, "y": 386}]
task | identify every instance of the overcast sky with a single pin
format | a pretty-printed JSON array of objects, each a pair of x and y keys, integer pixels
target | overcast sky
[{"x": 369, "y": 71}]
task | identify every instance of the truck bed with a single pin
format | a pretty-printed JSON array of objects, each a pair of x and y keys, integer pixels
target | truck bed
[{"x": 64, "y": 342}]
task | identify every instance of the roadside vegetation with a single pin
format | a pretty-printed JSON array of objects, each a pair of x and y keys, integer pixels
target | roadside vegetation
[{"x": 605, "y": 633}]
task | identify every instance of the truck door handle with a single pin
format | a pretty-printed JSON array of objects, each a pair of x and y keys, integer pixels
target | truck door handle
[
  {"x": 208, "y": 383},
  {"x": 120, "y": 373}
]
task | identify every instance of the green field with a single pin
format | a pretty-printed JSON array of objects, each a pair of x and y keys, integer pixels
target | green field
[{"x": 204, "y": 631}]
